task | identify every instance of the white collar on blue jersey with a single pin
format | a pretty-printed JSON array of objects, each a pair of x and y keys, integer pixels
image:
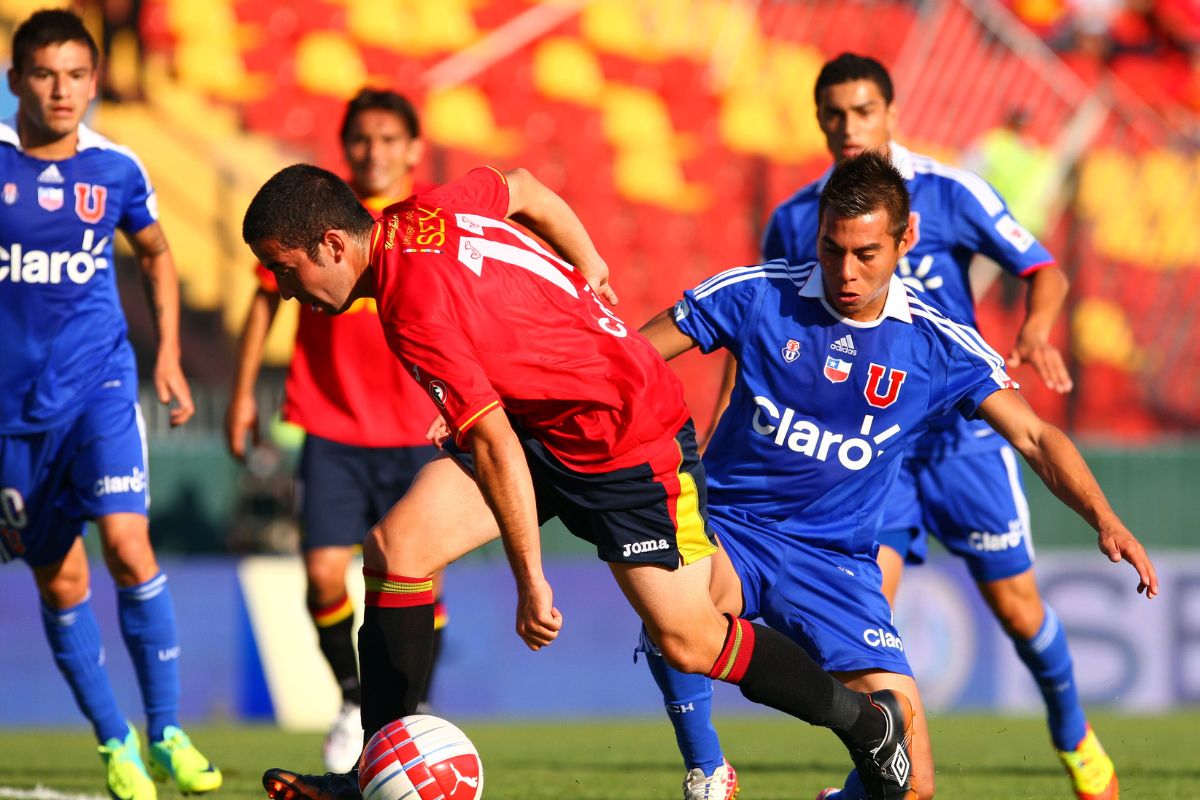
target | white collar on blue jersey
[
  {"x": 88, "y": 138},
  {"x": 901, "y": 157},
  {"x": 895, "y": 306}
]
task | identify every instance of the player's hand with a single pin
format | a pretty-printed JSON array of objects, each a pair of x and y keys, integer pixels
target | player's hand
[
  {"x": 241, "y": 417},
  {"x": 438, "y": 432},
  {"x": 171, "y": 385},
  {"x": 1118, "y": 543},
  {"x": 1034, "y": 348},
  {"x": 538, "y": 621},
  {"x": 596, "y": 274}
]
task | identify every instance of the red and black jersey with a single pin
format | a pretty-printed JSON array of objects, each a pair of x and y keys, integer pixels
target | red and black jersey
[
  {"x": 344, "y": 384},
  {"x": 484, "y": 317}
]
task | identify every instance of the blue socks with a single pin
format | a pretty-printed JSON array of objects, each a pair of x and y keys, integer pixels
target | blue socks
[
  {"x": 74, "y": 639},
  {"x": 688, "y": 699},
  {"x": 148, "y": 626},
  {"x": 1049, "y": 661}
]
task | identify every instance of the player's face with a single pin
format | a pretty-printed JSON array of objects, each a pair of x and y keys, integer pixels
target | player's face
[
  {"x": 858, "y": 256},
  {"x": 854, "y": 118},
  {"x": 54, "y": 87},
  {"x": 326, "y": 283},
  {"x": 380, "y": 153}
]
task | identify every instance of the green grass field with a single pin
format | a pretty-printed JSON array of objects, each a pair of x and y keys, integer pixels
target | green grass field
[{"x": 1158, "y": 758}]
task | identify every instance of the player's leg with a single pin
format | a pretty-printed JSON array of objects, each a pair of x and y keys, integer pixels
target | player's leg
[
  {"x": 394, "y": 469},
  {"x": 766, "y": 666},
  {"x": 687, "y": 698},
  {"x": 333, "y": 490},
  {"x": 442, "y": 517},
  {"x": 109, "y": 479},
  {"x": 989, "y": 529},
  {"x": 74, "y": 636},
  {"x": 920, "y": 747}
]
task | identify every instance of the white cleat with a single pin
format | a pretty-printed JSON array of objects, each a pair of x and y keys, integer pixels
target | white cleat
[
  {"x": 344, "y": 742},
  {"x": 721, "y": 785}
]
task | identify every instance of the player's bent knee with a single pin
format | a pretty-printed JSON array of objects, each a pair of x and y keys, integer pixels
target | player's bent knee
[{"x": 687, "y": 655}]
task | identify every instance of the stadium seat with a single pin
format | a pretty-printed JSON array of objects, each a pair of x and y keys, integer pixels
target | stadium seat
[
  {"x": 328, "y": 63},
  {"x": 412, "y": 27},
  {"x": 565, "y": 69},
  {"x": 462, "y": 117}
]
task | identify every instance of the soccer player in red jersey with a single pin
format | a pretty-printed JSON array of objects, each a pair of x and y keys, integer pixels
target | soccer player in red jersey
[
  {"x": 556, "y": 408},
  {"x": 365, "y": 420}
]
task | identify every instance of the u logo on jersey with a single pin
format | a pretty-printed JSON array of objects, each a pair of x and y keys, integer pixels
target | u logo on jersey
[
  {"x": 875, "y": 375},
  {"x": 89, "y": 202}
]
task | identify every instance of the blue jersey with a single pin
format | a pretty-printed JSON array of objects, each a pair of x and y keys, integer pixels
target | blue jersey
[
  {"x": 64, "y": 330},
  {"x": 956, "y": 214},
  {"x": 823, "y": 406}
]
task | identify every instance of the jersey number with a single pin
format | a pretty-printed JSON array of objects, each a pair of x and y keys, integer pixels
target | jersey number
[{"x": 472, "y": 250}]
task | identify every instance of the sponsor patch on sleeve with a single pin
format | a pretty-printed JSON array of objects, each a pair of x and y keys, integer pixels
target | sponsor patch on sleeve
[{"x": 1014, "y": 233}]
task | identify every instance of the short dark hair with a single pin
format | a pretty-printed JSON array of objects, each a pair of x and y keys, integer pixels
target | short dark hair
[
  {"x": 864, "y": 184},
  {"x": 382, "y": 100},
  {"x": 47, "y": 27},
  {"x": 298, "y": 204},
  {"x": 851, "y": 67}
]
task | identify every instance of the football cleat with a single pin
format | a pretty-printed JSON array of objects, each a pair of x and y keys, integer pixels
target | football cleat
[
  {"x": 1092, "y": 774},
  {"x": 344, "y": 742},
  {"x": 885, "y": 765},
  {"x": 828, "y": 794},
  {"x": 127, "y": 777},
  {"x": 282, "y": 784},
  {"x": 177, "y": 758},
  {"x": 721, "y": 785}
]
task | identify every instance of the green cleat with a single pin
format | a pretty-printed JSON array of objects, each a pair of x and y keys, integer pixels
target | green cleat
[
  {"x": 127, "y": 778},
  {"x": 177, "y": 758}
]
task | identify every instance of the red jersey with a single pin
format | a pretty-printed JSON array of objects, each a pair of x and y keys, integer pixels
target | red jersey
[
  {"x": 344, "y": 384},
  {"x": 485, "y": 317}
]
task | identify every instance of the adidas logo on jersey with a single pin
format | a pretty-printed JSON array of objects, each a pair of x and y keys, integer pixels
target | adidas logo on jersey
[
  {"x": 804, "y": 437},
  {"x": 18, "y": 265},
  {"x": 50, "y": 175},
  {"x": 844, "y": 345}
]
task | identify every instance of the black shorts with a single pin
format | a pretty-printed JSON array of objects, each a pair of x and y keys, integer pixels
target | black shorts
[
  {"x": 651, "y": 513},
  {"x": 342, "y": 490}
]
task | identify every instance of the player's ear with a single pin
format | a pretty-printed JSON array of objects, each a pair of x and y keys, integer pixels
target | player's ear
[
  {"x": 414, "y": 153},
  {"x": 909, "y": 237},
  {"x": 335, "y": 240},
  {"x": 14, "y": 81}
]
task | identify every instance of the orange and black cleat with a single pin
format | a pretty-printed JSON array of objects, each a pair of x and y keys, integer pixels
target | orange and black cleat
[{"x": 282, "y": 784}]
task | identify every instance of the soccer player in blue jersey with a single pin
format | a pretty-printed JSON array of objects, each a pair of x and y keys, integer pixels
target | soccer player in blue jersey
[
  {"x": 72, "y": 441},
  {"x": 955, "y": 215},
  {"x": 803, "y": 460}
]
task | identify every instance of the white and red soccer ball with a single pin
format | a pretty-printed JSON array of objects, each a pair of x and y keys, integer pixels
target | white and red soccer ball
[{"x": 420, "y": 757}]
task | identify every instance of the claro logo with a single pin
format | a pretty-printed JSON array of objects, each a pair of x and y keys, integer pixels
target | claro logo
[
  {"x": 804, "y": 437},
  {"x": 18, "y": 265}
]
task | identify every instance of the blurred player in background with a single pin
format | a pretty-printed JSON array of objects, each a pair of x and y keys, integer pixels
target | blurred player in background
[
  {"x": 960, "y": 481},
  {"x": 557, "y": 409},
  {"x": 365, "y": 420},
  {"x": 72, "y": 438},
  {"x": 801, "y": 464}
]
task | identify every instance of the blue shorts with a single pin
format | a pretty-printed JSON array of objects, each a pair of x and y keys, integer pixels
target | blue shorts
[
  {"x": 973, "y": 503},
  {"x": 51, "y": 482},
  {"x": 830, "y": 603},
  {"x": 342, "y": 490},
  {"x": 650, "y": 513}
]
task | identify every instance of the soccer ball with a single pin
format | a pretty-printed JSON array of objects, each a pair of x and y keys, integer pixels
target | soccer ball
[{"x": 420, "y": 756}]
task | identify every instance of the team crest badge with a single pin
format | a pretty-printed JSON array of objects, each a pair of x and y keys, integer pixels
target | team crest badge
[
  {"x": 836, "y": 369},
  {"x": 791, "y": 350},
  {"x": 10, "y": 193},
  {"x": 50, "y": 197},
  {"x": 89, "y": 202},
  {"x": 877, "y": 393},
  {"x": 437, "y": 390}
]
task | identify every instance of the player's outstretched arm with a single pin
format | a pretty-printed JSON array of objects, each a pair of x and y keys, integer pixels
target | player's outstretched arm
[
  {"x": 241, "y": 416},
  {"x": 1061, "y": 467},
  {"x": 665, "y": 335},
  {"x": 162, "y": 294},
  {"x": 1047, "y": 291},
  {"x": 503, "y": 477},
  {"x": 538, "y": 208}
]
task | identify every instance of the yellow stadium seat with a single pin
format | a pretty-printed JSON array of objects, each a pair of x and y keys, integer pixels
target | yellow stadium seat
[
  {"x": 328, "y": 63},
  {"x": 636, "y": 118},
  {"x": 462, "y": 117},
  {"x": 646, "y": 176},
  {"x": 1101, "y": 334},
  {"x": 565, "y": 69},
  {"x": 412, "y": 27}
]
